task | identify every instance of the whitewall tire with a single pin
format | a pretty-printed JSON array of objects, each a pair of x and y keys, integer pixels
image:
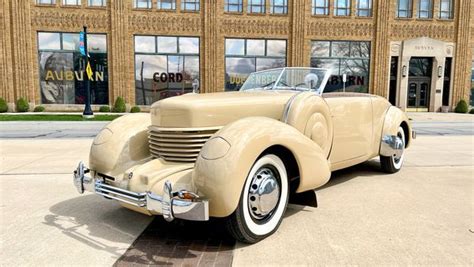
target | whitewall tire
[
  {"x": 393, "y": 164},
  {"x": 263, "y": 201}
]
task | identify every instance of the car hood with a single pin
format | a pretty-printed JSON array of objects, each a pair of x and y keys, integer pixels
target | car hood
[{"x": 218, "y": 109}]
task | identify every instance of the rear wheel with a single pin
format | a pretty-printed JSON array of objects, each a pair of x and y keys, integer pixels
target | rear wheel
[
  {"x": 262, "y": 202},
  {"x": 393, "y": 163}
]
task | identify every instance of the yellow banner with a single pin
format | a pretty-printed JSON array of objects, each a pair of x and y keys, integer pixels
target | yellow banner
[{"x": 89, "y": 70}]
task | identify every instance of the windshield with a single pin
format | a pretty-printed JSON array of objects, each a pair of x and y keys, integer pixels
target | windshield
[{"x": 302, "y": 79}]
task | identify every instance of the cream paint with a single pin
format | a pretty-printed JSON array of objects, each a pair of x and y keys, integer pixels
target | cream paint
[
  {"x": 353, "y": 125},
  {"x": 352, "y": 128},
  {"x": 249, "y": 137}
]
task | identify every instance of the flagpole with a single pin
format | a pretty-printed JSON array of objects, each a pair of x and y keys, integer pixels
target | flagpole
[{"x": 87, "y": 109}]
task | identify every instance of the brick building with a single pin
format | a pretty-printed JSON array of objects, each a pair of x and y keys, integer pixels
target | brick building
[{"x": 416, "y": 53}]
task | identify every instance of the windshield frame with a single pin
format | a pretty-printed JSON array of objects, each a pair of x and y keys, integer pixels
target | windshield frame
[{"x": 319, "y": 90}]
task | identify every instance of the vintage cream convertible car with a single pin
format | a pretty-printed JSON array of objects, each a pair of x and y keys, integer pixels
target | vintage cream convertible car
[{"x": 242, "y": 155}]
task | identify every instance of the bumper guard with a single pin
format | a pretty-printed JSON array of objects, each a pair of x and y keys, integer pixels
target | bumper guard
[{"x": 170, "y": 204}]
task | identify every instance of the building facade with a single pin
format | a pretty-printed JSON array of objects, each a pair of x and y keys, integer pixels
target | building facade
[{"x": 416, "y": 53}]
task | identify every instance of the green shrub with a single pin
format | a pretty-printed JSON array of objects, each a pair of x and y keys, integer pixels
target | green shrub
[
  {"x": 135, "y": 109},
  {"x": 3, "y": 105},
  {"x": 119, "y": 105},
  {"x": 22, "y": 105},
  {"x": 461, "y": 107},
  {"x": 471, "y": 111},
  {"x": 104, "y": 109},
  {"x": 39, "y": 109}
]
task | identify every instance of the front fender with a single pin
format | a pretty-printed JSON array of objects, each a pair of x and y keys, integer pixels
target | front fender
[
  {"x": 120, "y": 145},
  {"x": 221, "y": 176}
]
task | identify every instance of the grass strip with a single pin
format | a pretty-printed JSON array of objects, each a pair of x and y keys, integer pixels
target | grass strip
[{"x": 59, "y": 117}]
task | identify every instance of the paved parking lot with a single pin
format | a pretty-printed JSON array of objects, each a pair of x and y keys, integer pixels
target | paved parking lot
[{"x": 422, "y": 215}]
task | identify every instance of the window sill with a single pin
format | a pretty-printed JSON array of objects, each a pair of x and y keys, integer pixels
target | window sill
[
  {"x": 278, "y": 15},
  {"x": 165, "y": 10},
  {"x": 142, "y": 9},
  {"x": 257, "y": 14},
  {"x": 364, "y": 17},
  {"x": 97, "y": 7},
  {"x": 71, "y": 6},
  {"x": 342, "y": 17},
  {"x": 320, "y": 16},
  {"x": 45, "y": 5},
  {"x": 233, "y": 13},
  {"x": 404, "y": 19},
  {"x": 424, "y": 19},
  {"x": 445, "y": 20},
  {"x": 189, "y": 11}
]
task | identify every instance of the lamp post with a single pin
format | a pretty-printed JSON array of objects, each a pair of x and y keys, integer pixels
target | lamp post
[{"x": 87, "y": 109}]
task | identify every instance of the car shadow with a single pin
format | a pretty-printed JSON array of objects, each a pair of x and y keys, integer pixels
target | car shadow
[
  {"x": 101, "y": 223},
  {"x": 96, "y": 222},
  {"x": 364, "y": 169},
  {"x": 161, "y": 242}
]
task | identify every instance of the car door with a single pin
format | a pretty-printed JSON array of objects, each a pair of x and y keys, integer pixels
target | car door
[{"x": 352, "y": 121}]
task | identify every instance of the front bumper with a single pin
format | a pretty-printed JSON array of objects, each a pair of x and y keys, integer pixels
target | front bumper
[{"x": 171, "y": 204}]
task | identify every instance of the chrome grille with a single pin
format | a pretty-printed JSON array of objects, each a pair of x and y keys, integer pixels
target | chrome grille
[{"x": 178, "y": 144}]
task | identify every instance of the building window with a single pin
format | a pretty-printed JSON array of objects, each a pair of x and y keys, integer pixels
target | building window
[
  {"x": 342, "y": 7},
  {"x": 244, "y": 56},
  {"x": 404, "y": 8},
  {"x": 190, "y": 5},
  {"x": 320, "y": 7},
  {"x": 425, "y": 9},
  {"x": 142, "y": 3},
  {"x": 71, "y": 2},
  {"x": 100, "y": 3},
  {"x": 343, "y": 57},
  {"x": 164, "y": 66},
  {"x": 45, "y": 2},
  {"x": 233, "y": 6},
  {"x": 392, "y": 89},
  {"x": 447, "y": 81},
  {"x": 166, "y": 4},
  {"x": 62, "y": 68},
  {"x": 256, "y": 6},
  {"x": 364, "y": 8},
  {"x": 446, "y": 9},
  {"x": 279, "y": 6}
]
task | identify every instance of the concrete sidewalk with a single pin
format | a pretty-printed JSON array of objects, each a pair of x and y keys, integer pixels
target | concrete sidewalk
[
  {"x": 44, "y": 220},
  {"x": 422, "y": 215}
]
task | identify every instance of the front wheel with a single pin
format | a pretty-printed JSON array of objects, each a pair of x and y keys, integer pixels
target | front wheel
[
  {"x": 262, "y": 202},
  {"x": 393, "y": 163}
]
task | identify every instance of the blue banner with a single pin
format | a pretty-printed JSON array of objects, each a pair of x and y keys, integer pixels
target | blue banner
[{"x": 81, "y": 43}]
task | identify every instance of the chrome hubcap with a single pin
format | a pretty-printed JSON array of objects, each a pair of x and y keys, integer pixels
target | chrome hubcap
[
  {"x": 264, "y": 193},
  {"x": 400, "y": 146}
]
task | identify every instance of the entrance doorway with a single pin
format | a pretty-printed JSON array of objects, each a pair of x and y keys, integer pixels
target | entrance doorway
[{"x": 419, "y": 84}]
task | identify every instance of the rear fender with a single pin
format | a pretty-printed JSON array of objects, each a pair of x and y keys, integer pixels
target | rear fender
[
  {"x": 226, "y": 159},
  {"x": 310, "y": 114},
  {"x": 395, "y": 118}
]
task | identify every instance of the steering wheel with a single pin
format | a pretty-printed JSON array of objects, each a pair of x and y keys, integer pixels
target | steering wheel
[
  {"x": 284, "y": 84},
  {"x": 300, "y": 84}
]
